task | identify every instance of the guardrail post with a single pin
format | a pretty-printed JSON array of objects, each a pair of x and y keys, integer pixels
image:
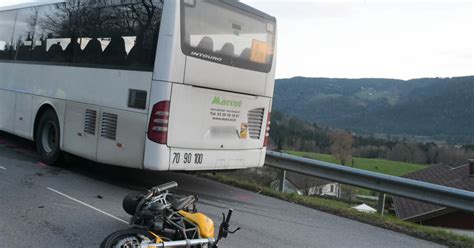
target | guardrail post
[
  {"x": 282, "y": 181},
  {"x": 381, "y": 203}
]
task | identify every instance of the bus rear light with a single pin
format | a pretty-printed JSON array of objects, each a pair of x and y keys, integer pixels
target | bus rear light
[
  {"x": 160, "y": 129},
  {"x": 161, "y": 121},
  {"x": 158, "y": 126},
  {"x": 267, "y": 130}
]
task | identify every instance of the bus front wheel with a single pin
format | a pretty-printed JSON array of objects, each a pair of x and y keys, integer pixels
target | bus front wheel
[{"x": 48, "y": 138}]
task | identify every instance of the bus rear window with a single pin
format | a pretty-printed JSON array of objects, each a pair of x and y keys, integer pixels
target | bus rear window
[{"x": 216, "y": 31}]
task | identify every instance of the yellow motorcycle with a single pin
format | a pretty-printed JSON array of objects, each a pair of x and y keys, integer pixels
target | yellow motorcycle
[{"x": 164, "y": 219}]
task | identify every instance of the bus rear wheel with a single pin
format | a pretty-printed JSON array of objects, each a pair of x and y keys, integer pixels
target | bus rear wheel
[{"x": 48, "y": 138}]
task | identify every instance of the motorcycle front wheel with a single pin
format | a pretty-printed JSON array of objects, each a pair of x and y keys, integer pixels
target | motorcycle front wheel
[{"x": 128, "y": 238}]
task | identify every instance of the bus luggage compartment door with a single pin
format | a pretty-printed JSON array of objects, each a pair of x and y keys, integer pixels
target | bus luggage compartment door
[{"x": 202, "y": 118}]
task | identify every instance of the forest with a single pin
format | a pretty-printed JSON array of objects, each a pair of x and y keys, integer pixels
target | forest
[{"x": 292, "y": 133}]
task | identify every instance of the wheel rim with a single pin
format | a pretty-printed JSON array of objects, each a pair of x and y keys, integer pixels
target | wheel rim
[
  {"x": 127, "y": 242},
  {"x": 49, "y": 137}
]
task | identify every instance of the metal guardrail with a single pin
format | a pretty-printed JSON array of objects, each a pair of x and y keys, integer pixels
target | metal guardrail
[{"x": 417, "y": 190}]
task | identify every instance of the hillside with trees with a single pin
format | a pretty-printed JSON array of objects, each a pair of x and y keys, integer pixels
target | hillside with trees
[
  {"x": 441, "y": 109},
  {"x": 292, "y": 133}
]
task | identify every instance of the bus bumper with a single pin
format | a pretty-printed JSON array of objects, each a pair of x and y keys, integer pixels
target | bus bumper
[{"x": 163, "y": 158}]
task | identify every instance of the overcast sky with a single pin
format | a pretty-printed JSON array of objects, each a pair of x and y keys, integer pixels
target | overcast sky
[{"x": 371, "y": 38}]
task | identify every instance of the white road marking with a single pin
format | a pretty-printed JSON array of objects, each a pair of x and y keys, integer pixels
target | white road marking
[
  {"x": 87, "y": 205},
  {"x": 3, "y": 168}
]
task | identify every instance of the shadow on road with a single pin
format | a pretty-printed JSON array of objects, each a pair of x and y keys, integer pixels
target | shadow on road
[
  {"x": 17, "y": 148},
  {"x": 14, "y": 147}
]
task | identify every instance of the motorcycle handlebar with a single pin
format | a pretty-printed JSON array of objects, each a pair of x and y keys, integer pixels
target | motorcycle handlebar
[
  {"x": 165, "y": 186},
  {"x": 224, "y": 228},
  {"x": 229, "y": 216}
]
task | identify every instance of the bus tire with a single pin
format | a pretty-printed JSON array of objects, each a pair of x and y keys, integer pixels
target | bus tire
[{"x": 48, "y": 138}]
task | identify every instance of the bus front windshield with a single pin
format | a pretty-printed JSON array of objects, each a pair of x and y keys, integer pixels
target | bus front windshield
[{"x": 220, "y": 32}]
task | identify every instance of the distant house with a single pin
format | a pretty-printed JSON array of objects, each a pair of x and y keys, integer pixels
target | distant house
[
  {"x": 304, "y": 185},
  {"x": 325, "y": 188},
  {"x": 461, "y": 177}
]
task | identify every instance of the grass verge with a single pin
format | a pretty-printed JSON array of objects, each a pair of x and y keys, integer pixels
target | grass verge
[{"x": 434, "y": 234}]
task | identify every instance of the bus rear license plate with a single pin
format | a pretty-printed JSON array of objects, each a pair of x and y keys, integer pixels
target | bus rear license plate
[{"x": 187, "y": 158}]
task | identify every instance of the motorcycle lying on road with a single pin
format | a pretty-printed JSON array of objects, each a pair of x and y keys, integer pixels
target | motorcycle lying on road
[{"x": 164, "y": 219}]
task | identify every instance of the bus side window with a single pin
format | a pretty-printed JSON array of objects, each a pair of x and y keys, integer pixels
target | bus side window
[
  {"x": 89, "y": 34},
  {"x": 39, "y": 52},
  {"x": 7, "y": 20},
  {"x": 73, "y": 52},
  {"x": 40, "y": 49},
  {"x": 56, "y": 53},
  {"x": 3, "y": 44},
  {"x": 54, "y": 36},
  {"x": 115, "y": 53},
  {"x": 23, "y": 38},
  {"x": 92, "y": 53},
  {"x": 138, "y": 29}
]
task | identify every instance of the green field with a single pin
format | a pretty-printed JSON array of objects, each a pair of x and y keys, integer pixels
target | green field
[{"x": 384, "y": 166}]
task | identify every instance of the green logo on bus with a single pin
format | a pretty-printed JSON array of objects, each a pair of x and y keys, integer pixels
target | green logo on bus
[{"x": 225, "y": 102}]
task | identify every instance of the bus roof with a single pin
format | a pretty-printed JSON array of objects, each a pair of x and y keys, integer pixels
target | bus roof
[{"x": 32, "y": 4}]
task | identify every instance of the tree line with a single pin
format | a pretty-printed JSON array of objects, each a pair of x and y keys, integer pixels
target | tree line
[{"x": 291, "y": 133}]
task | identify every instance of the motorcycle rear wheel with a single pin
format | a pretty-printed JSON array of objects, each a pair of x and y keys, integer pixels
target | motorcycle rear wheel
[{"x": 128, "y": 238}]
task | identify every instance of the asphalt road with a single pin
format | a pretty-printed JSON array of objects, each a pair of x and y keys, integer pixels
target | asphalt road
[{"x": 78, "y": 204}]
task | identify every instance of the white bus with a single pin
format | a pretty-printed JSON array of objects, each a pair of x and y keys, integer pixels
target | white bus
[{"x": 148, "y": 84}]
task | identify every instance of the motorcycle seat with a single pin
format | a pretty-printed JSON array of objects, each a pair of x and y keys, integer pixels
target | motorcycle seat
[{"x": 179, "y": 203}]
